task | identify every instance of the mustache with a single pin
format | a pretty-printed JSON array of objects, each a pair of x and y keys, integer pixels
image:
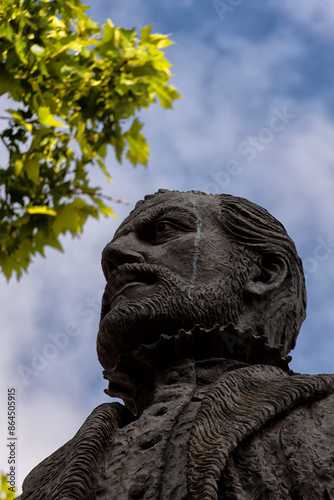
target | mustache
[{"x": 126, "y": 274}]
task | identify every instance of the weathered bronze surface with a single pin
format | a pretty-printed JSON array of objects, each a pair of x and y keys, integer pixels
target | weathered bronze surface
[{"x": 204, "y": 300}]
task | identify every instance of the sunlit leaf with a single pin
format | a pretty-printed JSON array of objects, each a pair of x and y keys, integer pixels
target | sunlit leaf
[
  {"x": 18, "y": 165},
  {"x": 46, "y": 118},
  {"x": 41, "y": 210},
  {"x": 6, "y": 492},
  {"x": 103, "y": 168},
  {"x": 104, "y": 209},
  {"x": 108, "y": 33},
  {"x": 37, "y": 49},
  {"x": 138, "y": 148}
]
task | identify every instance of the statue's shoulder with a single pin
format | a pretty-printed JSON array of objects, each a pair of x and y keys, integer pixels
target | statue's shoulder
[
  {"x": 290, "y": 454},
  {"x": 306, "y": 437},
  {"x": 321, "y": 387},
  {"x": 73, "y": 465},
  {"x": 322, "y": 411},
  {"x": 318, "y": 412}
]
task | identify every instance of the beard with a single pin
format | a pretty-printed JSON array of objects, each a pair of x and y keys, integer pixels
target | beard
[{"x": 128, "y": 323}]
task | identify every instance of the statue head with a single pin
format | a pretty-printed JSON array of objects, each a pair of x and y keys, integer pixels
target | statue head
[{"x": 181, "y": 259}]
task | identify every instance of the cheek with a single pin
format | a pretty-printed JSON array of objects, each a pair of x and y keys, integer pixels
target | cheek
[
  {"x": 178, "y": 256},
  {"x": 213, "y": 262}
]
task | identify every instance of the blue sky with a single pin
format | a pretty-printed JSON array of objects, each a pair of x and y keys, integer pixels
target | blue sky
[{"x": 256, "y": 120}]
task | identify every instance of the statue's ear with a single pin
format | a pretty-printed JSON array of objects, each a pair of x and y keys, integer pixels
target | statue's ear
[{"x": 273, "y": 271}]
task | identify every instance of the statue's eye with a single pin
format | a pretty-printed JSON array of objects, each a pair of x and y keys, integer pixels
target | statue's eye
[
  {"x": 165, "y": 229},
  {"x": 161, "y": 227}
]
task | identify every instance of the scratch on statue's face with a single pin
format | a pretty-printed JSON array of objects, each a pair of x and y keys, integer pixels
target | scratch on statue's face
[{"x": 199, "y": 223}]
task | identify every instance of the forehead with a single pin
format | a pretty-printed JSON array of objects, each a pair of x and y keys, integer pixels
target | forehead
[{"x": 188, "y": 206}]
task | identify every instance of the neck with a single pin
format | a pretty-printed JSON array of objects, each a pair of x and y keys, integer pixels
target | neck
[{"x": 219, "y": 349}]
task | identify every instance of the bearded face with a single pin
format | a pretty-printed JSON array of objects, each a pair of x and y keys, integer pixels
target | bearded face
[{"x": 168, "y": 267}]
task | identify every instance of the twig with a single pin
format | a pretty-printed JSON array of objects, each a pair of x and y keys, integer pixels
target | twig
[{"x": 115, "y": 200}]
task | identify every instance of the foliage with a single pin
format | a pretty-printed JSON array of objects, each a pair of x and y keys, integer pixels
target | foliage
[
  {"x": 79, "y": 87},
  {"x": 5, "y": 493}
]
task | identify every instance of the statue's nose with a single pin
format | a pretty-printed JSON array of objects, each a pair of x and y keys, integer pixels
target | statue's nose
[{"x": 117, "y": 253}]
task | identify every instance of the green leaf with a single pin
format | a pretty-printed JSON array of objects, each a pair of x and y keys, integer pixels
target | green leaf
[
  {"x": 117, "y": 140},
  {"x": 20, "y": 46},
  {"x": 37, "y": 50},
  {"x": 72, "y": 216},
  {"x": 103, "y": 168},
  {"x": 6, "y": 493},
  {"x": 18, "y": 165},
  {"x": 56, "y": 23},
  {"x": 160, "y": 41},
  {"x": 108, "y": 33},
  {"x": 138, "y": 148},
  {"x": 104, "y": 209},
  {"x": 41, "y": 210},
  {"x": 31, "y": 167},
  {"x": 46, "y": 118},
  {"x": 18, "y": 117},
  {"x": 166, "y": 95},
  {"x": 145, "y": 33}
]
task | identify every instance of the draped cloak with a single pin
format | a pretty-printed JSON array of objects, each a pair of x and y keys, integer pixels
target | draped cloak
[{"x": 252, "y": 432}]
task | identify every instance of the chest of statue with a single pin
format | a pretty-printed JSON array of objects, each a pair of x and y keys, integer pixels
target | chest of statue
[
  {"x": 175, "y": 451},
  {"x": 148, "y": 458}
]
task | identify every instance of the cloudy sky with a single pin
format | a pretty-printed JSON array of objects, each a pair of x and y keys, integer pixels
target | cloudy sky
[{"x": 256, "y": 120}]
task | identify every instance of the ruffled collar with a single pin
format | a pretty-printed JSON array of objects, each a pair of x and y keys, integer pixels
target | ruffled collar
[{"x": 133, "y": 378}]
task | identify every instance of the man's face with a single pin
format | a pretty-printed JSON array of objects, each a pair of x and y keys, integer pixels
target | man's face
[{"x": 169, "y": 266}]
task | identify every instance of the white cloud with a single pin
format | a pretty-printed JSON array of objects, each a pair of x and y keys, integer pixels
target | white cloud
[
  {"x": 127, "y": 14},
  {"x": 316, "y": 15},
  {"x": 298, "y": 165}
]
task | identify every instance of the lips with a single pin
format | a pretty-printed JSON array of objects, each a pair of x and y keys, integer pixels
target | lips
[{"x": 124, "y": 281}]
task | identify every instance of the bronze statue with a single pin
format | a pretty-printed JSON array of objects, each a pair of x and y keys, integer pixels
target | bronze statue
[{"x": 204, "y": 300}]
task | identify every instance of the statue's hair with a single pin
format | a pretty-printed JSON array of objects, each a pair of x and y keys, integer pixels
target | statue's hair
[
  {"x": 255, "y": 232},
  {"x": 259, "y": 233}
]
